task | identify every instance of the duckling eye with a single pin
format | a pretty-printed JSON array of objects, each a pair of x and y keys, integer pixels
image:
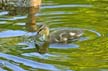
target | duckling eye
[{"x": 41, "y": 27}]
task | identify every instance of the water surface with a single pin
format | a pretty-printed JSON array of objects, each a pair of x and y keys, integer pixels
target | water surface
[{"x": 90, "y": 53}]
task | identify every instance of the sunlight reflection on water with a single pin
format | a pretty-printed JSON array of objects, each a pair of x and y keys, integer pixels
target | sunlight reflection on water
[
  {"x": 30, "y": 63},
  {"x": 15, "y": 33},
  {"x": 3, "y": 13},
  {"x": 57, "y": 14},
  {"x": 63, "y": 46},
  {"x": 69, "y": 6},
  {"x": 43, "y": 56},
  {"x": 12, "y": 66}
]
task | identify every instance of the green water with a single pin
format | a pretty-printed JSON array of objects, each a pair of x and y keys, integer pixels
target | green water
[{"x": 87, "y": 54}]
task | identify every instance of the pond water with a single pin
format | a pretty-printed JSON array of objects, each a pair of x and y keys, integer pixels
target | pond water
[{"x": 89, "y": 53}]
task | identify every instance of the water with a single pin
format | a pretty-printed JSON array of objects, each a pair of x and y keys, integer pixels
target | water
[{"x": 89, "y": 53}]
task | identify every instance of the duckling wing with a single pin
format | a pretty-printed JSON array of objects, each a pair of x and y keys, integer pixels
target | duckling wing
[{"x": 70, "y": 34}]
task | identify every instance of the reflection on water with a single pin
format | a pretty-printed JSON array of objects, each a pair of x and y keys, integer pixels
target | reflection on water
[
  {"x": 63, "y": 6},
  {"x": 3, "y": 13},
  {"x": 63, "y": 46},
  {"x": 26, "y": 62},
  {"x": 11, "y": 66},
  {"x": 11, "y": 33},
  {"x": 89, "y": 53}
]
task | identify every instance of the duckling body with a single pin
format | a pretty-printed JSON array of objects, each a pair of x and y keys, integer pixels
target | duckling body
[
  {"x": 65, "y": 36},
  {"x": 43, "y": 38},
  {"x": 58, "y": 36}
]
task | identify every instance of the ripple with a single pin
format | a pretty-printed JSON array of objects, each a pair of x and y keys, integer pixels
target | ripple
[
  {"x": 29, "y": 63},
  {"x": 63, "y": 46},
  {"x": 87, "y": 36},
  {"x": 3, "y": 13},
  {"x": 54, "y": 13},
  {"x": 14, "y": 18},
  {"x": 12, "y": 66},
  {"x": 82, "y": 38},
  {"x": 14, "y": 33},
  {"x": 67, "y": 6},
  {"x": 93, "y": 31},
  {"x": 3, "y": 22},
  {"x": 43, "y": 56},
  {"x": 11, "y": 33},
  {"x": 2, "y": 69},
  {"x": 63, "y": 56}
]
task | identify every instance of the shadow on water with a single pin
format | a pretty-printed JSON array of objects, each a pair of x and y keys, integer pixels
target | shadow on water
[{"x": 88, "y": 53}]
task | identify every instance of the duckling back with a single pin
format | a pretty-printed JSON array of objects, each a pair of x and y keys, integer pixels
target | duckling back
[{"x": 64, "y": 36}]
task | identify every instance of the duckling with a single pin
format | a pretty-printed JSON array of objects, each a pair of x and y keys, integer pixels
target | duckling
[
  {"x": 43, "y": 38},
  {"x": 60, "y": 36}
]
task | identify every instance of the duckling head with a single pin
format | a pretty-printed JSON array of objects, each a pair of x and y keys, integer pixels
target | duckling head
[
  {"x": 43, "y": 32},
  {"x": 41, "y": 41}
]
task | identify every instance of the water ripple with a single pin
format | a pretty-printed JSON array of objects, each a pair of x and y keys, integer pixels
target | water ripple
[
  {"x": 93, "y": 32},
  {"x": 67, "y": 6},
  {"x": 15, "y": 33},
  {"x": 43, "y": 56},
  {"x": 3, "y": 13},
  {"x": 55, "y": 13},
  {"x": 12, "y": 66},
  {"x": 30, "y": 63},
  {"x": 14, "y": 18},
  {"x": 2, "y": 69},
  {"x": 63, "y": 46},
  {"x": 11, "y": 33}
]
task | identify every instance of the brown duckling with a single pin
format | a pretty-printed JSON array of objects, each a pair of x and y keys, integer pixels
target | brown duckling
[
  {"x": 43, "y": 38},
  {"x": 59, "y": 36},
  {"x": 65, "y": 35}
]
